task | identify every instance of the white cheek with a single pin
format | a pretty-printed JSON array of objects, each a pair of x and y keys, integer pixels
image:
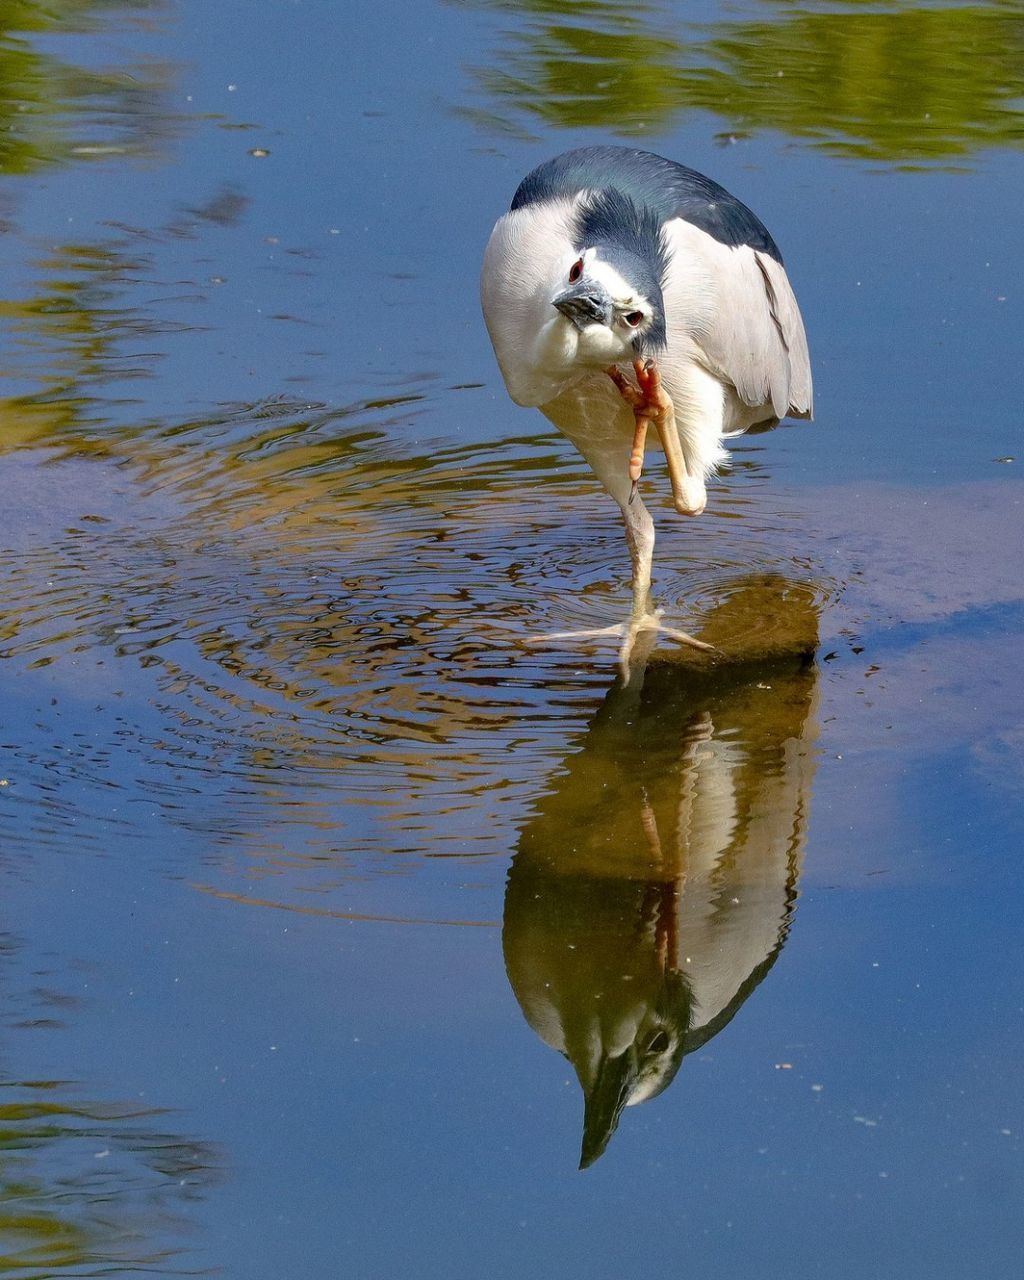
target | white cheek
[{"x": 601, "y": 346}]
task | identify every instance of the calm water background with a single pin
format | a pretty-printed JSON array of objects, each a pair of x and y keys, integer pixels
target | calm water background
[{"x": 269, "y": 529}]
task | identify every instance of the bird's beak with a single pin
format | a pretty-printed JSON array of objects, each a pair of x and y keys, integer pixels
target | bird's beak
[
  {"x": 585, "y": 303},
  {"x": 604, "y": 1102}
]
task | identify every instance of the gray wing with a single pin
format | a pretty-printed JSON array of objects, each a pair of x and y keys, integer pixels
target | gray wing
[{"x": 736, "y": 304}]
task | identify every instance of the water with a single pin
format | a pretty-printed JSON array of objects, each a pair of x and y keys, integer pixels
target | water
[{"x": 312, "y": 869}]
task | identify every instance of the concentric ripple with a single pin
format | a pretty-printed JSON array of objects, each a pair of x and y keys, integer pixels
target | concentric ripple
[{"x": 296, "y": 634}]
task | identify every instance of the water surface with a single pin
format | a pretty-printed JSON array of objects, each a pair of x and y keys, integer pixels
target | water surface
[{"x": 312, "y": 868}]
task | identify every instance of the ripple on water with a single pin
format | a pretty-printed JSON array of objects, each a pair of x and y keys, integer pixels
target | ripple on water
[{"x": 310, "y": 634}]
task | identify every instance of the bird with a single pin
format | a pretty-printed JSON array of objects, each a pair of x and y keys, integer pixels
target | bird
[{"x": 612, "y": 260}]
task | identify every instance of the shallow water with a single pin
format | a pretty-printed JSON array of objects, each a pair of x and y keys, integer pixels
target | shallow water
[{"x": 312, "y": 867}]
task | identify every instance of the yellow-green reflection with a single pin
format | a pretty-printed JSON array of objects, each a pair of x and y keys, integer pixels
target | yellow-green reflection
[
  {"x": 51, "y": 110},
  {"x": 601, "y": 64},
  {"x": 73, "y": 342},
  {"x": 87, "y": 1187},
  {"x": 654, "y": 887},
  {"x": 906, "y": 83},
  {"x": 65, "y": 339}
]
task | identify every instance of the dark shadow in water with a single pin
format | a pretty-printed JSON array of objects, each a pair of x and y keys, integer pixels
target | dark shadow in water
[
  {"x": 911, "y": 83},
  {"x": 654, "y": 887}
]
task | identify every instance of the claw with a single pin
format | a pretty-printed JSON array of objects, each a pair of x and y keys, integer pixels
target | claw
[
  {"x": 636, "y": 457},
  {"x": 651, "y": 403},
  {"x": 684, "y": 637},
  {"x": 636, "y": 634}
]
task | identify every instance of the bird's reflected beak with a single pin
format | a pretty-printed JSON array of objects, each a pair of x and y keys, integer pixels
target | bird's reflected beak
[
  {"x": 604, "y": 1101},
  {"x": 585, "y": 303}
]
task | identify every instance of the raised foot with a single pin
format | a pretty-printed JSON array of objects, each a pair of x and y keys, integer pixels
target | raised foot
[
  {"x": 643, "y": 629},
  {"x": 651, "y": 404}
]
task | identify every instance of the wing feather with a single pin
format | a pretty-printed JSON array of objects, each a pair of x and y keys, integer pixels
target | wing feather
[{"x": 736, "y": 306}]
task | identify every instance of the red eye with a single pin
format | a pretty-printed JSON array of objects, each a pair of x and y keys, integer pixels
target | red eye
[
  {"x": 576, "y": 270},
  {"x": 633, "y": 318}
]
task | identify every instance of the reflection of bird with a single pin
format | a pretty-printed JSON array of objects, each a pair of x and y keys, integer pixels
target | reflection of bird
[
  {"x": 611, "y": 257},
  {"x": 653, "y": 888}
]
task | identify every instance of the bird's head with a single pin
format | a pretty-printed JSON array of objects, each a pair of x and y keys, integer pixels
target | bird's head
[
  {"x": 609, "y": 292},
  {"x": 613, "y": 303},
  {"x": 623, "y": 1074}
]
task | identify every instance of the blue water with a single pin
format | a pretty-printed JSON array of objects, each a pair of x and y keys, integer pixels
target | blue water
[{"x": 307, "y": 861}]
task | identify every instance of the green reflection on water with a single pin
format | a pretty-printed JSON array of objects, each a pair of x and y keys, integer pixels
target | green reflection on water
[
  {"x": 87, "y": 1187},
  {"x": 91, "y": 1185},
  {"x": 654, "y": 886},
  {"x": 66, "y": 340},
  {"x": 73, "y": 341},
  {"x": 52, "y": 110},
  {"x": 909, "y": 83}
]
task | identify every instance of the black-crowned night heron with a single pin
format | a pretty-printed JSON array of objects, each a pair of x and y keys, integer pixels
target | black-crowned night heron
[{"x": 611, "y": 257}]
